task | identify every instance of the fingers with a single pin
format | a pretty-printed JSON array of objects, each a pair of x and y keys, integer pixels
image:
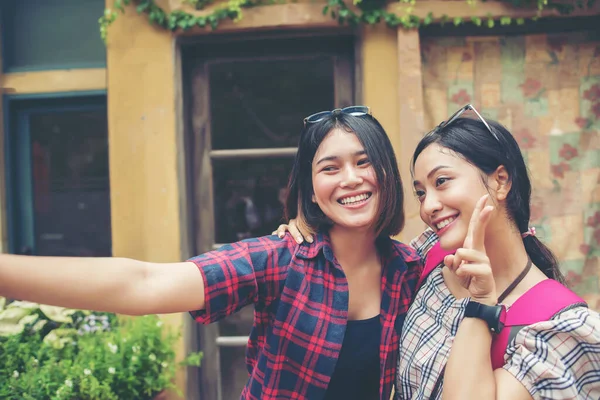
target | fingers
[
  {"x": 464, "y": 257},
  {"x": 477, "y": 225},
  {"x": 468, "y": 262},
  {"x": 295, "y": 233},
  {"x": 292, "y": 228},
  {"x": 283, "y": 228}
]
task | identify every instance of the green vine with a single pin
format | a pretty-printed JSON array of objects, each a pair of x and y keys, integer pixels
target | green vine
[{"x": 368, "y": 12}]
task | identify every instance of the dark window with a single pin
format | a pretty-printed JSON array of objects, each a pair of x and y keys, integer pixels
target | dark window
[{"x": 51, "y": 34}]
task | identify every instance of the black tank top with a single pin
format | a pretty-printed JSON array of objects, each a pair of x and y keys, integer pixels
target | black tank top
[{"x": 356, "y": 374}]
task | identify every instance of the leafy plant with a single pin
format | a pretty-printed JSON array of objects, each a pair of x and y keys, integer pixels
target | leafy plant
[
  {"x": 56, "y": 353},
  {"x": 357, "y": 12}
]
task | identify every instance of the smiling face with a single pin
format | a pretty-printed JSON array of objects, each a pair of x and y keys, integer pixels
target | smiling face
[
  {"x": 448, "y": 187},
  {"x": 345, "y": 185}
]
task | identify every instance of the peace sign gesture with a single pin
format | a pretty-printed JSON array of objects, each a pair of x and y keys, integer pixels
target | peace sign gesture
[{"x": 471, "y": 263}]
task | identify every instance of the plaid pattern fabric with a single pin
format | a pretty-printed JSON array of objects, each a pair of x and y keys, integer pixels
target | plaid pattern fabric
[
  {"x": 424, "y": 242},
  {"x": 556, "y": 359},
  {"x": 300, "y": 295}
]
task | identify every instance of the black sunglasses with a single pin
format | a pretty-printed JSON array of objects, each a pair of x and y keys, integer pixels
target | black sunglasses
[
  {"x": 458, "y": 114},
  {"x": 355, "y": 111}
]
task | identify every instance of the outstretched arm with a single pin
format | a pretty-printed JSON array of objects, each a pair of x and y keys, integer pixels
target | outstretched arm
[{"x": 119, "y": 285}]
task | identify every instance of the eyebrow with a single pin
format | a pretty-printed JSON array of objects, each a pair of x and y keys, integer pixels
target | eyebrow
[
  {"x": 331, "y": 158},
  {"x": 433, "y": 171}
]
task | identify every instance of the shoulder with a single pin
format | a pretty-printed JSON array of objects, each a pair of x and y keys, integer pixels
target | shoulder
[
  {"x": 554, "y": 357},
  {"x": 578, "y": 320},
  {"x": 424, "y": 242},
  {"x": 408, "y": 253},
  {"x": 250, "y": 249},
  {"x": 564, "y": 332}
]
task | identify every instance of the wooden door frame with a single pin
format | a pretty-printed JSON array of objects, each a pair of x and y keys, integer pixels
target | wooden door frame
[{"x": 200, "y": 185}]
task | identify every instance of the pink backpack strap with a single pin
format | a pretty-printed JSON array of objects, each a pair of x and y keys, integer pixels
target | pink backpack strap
[
  {"x": 540, "y": 303},
  {"x": 435, "y": 256}
]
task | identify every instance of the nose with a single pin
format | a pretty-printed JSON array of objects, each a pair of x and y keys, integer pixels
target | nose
[
  {"x": 351, "y": 177},
  {"x": 431, "y": 204}
]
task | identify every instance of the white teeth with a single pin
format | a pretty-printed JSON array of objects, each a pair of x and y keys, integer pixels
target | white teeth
[
  {"x": 444, "y": 223},
  {"x": 355, "y": 199}
]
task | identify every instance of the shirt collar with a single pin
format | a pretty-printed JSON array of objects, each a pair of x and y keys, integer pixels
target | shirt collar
[
  {"x": 389, "y": 249},
  {"x": 309, "y": 251}
]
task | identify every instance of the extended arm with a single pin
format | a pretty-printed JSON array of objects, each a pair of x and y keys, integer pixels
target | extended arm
[{"x": 117, "y": 285}]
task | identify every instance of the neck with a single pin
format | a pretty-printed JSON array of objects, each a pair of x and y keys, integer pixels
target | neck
[
  {"x": 506, "y": 251},
  {"x": 353, "y": 248}
]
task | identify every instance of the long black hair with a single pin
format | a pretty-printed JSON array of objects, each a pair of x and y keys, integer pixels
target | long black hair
[
  {"x": 378, "y": 148},
  {"x": 470, "y": 139}
]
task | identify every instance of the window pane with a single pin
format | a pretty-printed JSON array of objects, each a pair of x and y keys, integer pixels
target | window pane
[
  {"x": 39, "y": 34},
  {"x": 249, "y": 197},
  {"x": 262, "y": 104},
  {"x": 71, "y": 195}
]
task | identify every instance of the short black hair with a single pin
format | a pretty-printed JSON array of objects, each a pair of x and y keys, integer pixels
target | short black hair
[{"x": 378, "y": 148}]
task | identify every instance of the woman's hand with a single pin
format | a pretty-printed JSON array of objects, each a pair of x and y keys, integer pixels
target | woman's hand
[
  {"x": 471, "y": 263},
  {"x": 292, "y": 228}
]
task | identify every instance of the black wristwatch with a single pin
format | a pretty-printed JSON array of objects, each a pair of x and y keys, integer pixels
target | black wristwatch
[{"x": 494, "y": 316}]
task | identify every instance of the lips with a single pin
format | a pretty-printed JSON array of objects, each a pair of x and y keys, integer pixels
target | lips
[{"x": 356, "y": 199}]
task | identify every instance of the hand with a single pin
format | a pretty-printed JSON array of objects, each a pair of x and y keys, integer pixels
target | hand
[
  {"x": 292, "y": 228},
  {"x": 471, "y": 263}
]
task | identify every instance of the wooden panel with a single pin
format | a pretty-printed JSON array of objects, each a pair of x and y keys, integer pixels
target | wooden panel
[
  {"x": 344, "y": 90},
  {"x": 253, "y": 153},
  {"x": 3, "y": 171},
  {"x": 202, "y": 212}
]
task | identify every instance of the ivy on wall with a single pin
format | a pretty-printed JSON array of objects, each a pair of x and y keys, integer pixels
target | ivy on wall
[{"x": 368, "y": 12}]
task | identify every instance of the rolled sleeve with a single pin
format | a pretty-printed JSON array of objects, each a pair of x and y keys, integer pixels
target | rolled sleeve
[
  {"x": 560, "y": 358},
  {"x": 239, "y": 274}
]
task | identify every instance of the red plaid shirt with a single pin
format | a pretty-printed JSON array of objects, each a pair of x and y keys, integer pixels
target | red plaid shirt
[{"x": 300, "y": 295}]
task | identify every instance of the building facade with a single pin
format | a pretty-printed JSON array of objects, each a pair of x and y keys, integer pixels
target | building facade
[{"x": 161, "y": 145}]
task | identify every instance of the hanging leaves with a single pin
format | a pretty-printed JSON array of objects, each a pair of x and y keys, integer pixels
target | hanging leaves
[{"x": 350, "y": 12}]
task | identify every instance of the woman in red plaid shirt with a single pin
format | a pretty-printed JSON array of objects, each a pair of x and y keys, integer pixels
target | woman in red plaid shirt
[{"x": 327, "y": 314}]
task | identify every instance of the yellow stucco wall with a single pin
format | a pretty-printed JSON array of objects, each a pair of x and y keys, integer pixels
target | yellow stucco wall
[
  {"x": 56, "y": 81},
  {"x": 143, "y": 136},
  {"x": 379, "y": 65}
]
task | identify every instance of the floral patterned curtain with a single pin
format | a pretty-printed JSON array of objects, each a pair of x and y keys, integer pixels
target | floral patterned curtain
[{"x": 546, "y": 90}]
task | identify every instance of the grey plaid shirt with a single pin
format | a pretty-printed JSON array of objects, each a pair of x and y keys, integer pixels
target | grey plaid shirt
[{"x": 556, "y": 359}]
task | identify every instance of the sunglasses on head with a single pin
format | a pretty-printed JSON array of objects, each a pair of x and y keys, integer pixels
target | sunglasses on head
[
  {"x": 459, "y": 113},
  {"x": 355, "y": 111}
]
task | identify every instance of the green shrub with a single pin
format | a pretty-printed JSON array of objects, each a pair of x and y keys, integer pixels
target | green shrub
[{"x": 56, "y": 353}]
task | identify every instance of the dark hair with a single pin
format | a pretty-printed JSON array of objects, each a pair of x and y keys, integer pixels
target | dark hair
[
  {"x": 378, "y": 148},
  {"x": 470, "y": 139}
]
